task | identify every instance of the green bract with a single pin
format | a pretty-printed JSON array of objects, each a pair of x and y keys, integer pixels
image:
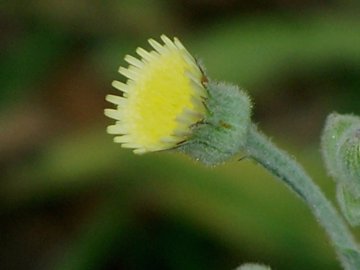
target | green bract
[{"x": 223, "y": 131}]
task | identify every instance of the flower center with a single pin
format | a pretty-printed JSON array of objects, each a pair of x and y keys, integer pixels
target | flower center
[{"x": 160, "y": 94}]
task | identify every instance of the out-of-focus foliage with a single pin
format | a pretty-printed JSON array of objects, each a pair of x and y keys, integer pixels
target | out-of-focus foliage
[{"x": 71, "y": 199}]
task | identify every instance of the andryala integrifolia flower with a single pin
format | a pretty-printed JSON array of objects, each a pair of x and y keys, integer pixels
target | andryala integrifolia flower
[{"x": 168, "y": 102}]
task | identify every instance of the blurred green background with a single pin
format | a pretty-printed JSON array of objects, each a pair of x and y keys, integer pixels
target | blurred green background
[{"x": 72, "y": 199}]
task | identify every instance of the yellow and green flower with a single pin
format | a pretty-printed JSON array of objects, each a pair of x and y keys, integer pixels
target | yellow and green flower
[{"x": 167, "y": 102}]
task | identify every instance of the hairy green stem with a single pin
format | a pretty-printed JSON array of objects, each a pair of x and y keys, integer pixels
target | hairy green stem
[{"x": 288, "y": 170}]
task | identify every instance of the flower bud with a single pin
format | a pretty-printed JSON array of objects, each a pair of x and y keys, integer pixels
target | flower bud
[{"x": 341, "y": 153}]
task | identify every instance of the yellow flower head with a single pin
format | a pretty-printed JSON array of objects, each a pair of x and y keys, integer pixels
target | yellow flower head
[{"x": 162, "y": 98}]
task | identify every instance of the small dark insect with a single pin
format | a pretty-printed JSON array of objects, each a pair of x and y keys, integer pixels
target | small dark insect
[
  {"x": 204, "y": 80},
  {"x": 225, "y": 125},
  {"x": 242, "y": 158}
]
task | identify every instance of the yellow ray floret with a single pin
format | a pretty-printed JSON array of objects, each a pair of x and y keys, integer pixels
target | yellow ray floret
[{"x": 162, "y": 98}]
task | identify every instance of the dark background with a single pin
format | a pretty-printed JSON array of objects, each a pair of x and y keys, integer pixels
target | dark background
[{"x": 72, "y": 199}]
